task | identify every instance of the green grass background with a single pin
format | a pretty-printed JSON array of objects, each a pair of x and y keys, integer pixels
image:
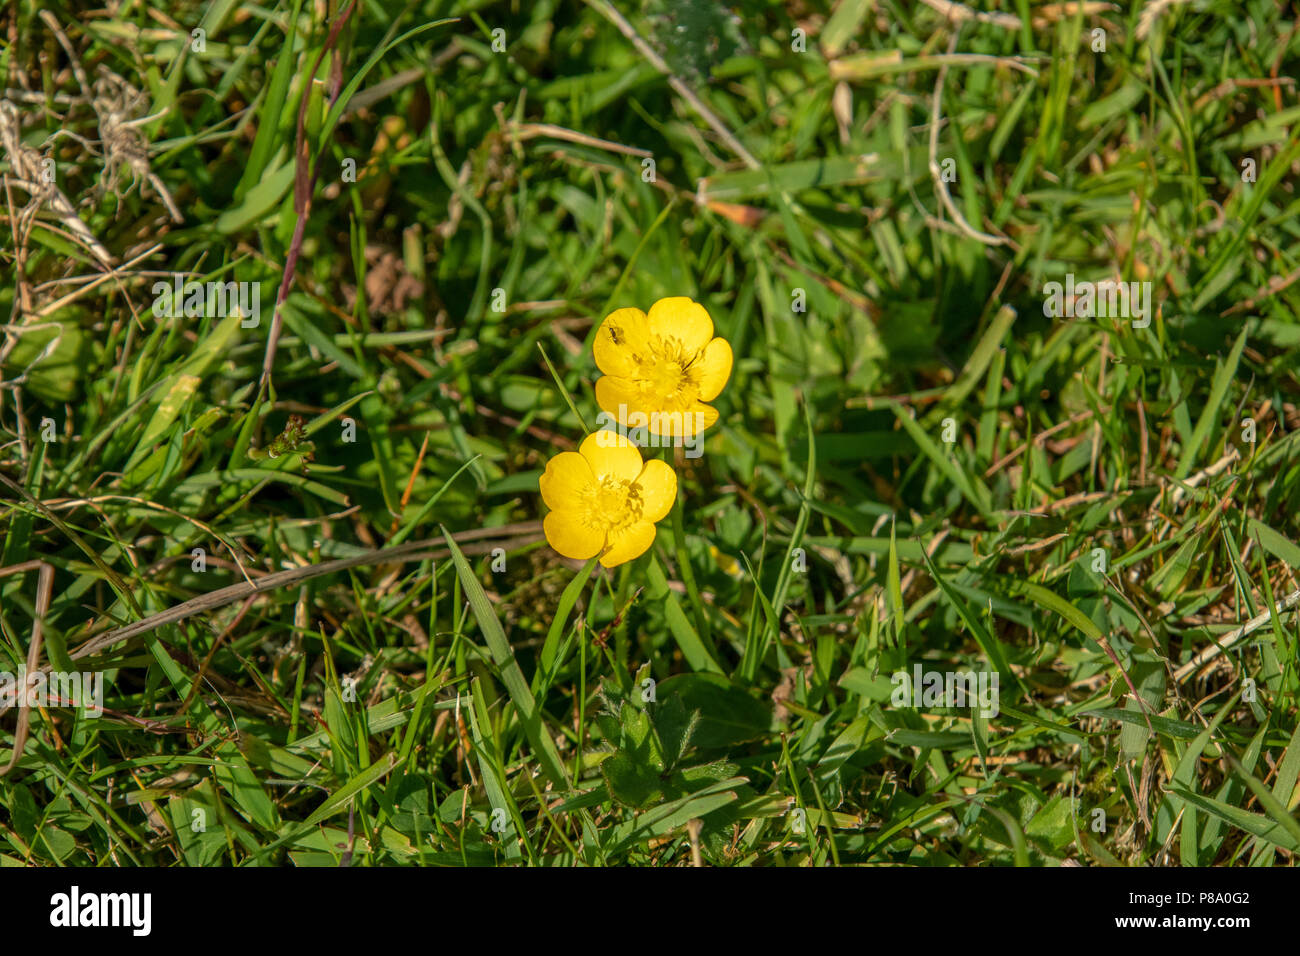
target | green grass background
[{"x": 496, "y": 216}]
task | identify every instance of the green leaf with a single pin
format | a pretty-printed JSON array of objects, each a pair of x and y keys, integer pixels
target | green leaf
[
  {"x": 568, "y": 598},
  {"x": 54, "y": 369},
  {"x": 631, "y": 783},
  {"x": 1148, "y": 675},
  {"x": 1213, "y": 410},
  {"x": 1161, "y": 725},
  {"x": 797, "y": 176},
  {"x": 504, "y": 658},
  {"x": 687, "y": 639},
  {"x": 1275, "y": 544},
  {"x": 987, "y": 641},
  {"x": 728, "y": 715},
  {"x": 1052, "y": 602},
  {"x": 1257, "y": 824},
  {"x": 843, "y": 25}
]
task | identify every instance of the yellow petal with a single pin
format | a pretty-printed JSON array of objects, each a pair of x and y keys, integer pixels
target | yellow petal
[
  {"x": 610, "y": 455},
  {"x": 685, "y": 424},
  {"x": 620, "y": 337},
  {"x": 699, "y": 418},
  {"x": 613, "y": 391},
  {"x": 567, "y": 475},
  {"x": 658, "y": 483},
  {"x": 682, "y": 319},
  {"x": 631, "y": 542},
  {"x": 714, "y": 366},
  {"x": 567, "y": 534}
]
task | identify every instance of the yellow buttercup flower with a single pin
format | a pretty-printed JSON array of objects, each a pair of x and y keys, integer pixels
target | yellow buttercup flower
[
  {"x": 604, "y": 500},
  {"x": 661, "y": 368}
]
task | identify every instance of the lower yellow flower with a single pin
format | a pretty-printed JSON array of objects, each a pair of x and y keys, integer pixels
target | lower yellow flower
[
  {"x": 604, "y": 500},
  {"x": 662, "y": 367}
]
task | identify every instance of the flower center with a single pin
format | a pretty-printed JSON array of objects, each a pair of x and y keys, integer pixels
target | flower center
[
  {"x": 667, "y": 374},
  {"x": 611, "y": 504}
]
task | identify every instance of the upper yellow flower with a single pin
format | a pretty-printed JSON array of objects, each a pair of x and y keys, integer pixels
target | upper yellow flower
[
  {"x": 663, "y": 366},
  {"x": 604, "y": 500}
]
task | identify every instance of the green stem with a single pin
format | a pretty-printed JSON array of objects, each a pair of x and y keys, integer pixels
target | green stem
[{"x": 688, "y": 575}]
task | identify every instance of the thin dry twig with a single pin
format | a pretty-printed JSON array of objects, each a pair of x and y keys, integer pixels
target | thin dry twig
[
  {"x": 29, "y": 173},
  {"x": 1275, "y": 285},
  {"x": 112, "y": 274},
  {"x": 1152, "y": 12},
  {"x": 44, "y": 587},
  {"x": 523, "y": 131},
  {"x": 1228, "y": 640},
  {"x": 613, "y": 16},
  {"x": 957, "y": 13},
  {"x": 523, "y": 533},
  {"x": 1179, "y": 492},
  {"x": 304, "y": 184},
  {"x": 115, "y": 101},
  {"x": 937, "y": 174}
]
